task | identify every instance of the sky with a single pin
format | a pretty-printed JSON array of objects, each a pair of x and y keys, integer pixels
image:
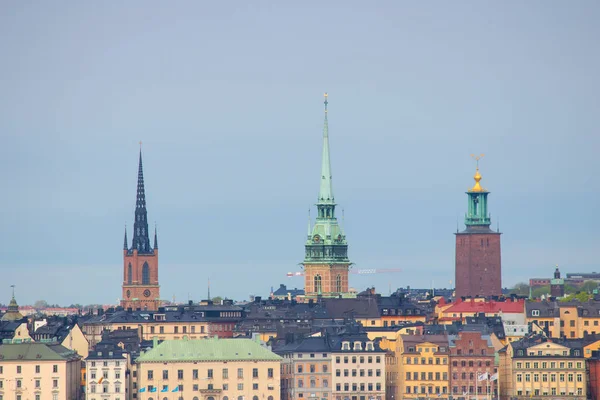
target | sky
[{"x": 227, "y": 98}]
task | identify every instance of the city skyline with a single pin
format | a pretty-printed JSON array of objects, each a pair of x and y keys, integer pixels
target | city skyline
[{"x": 232, "y": 152}]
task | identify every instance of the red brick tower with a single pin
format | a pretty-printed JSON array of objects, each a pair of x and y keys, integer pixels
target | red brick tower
[
  {"x": 141, "y": 290},
  {"x": 478, "y": 266}
]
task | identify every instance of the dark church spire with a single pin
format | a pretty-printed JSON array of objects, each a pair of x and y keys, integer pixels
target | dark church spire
[
  {"x": 155, "y": 238},
  {"x": 125, "y": 240},
  {"x": 141, "y": 239}
]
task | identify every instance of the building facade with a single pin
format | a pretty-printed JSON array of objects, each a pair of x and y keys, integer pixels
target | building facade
[
  {"x": 536, "y": 367},
  {"x": 326, "y": 262},
  {"x": 478, "y": 263},
  {"x": 107, "y": 375},
  {"x": 39, "y": 371},
  {"x": 423, "y": 366},
  {"x": 140, "y": 288},
  {"x": 208, "y": 369},
  {"x": 472, "y": 356}
]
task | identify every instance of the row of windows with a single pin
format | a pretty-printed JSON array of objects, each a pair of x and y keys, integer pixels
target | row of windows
[
  {"x": 313, "y": 383},
  {"x": 564, "y": 353},
  {"x": 399, "y": 311},
  {"x": 105, "y": 363},
  {"x": 105, "y": 375},
  {"x": 441, "y": 349},
  {"x": 358, "y": 346},
  {"x": 471, "y": 363},
  {"x": 312, "y": 355},
  {"x": 415, "y": 360},
  {"x": 537, "y": 392},
  {"x": 427, "y": 376},
  {"x": 38, "y": 368},
  {"x": 552, "y": 364},
  {"x": 105, "y": 388},
  {"x": 427, "y": 389},
  {"x": 312, "y": 368},
  {"x": 37, "y": 383},
  {"x": 210, "y": 386},
  {"x": 561, "y": 377},
  {"x": 356, "y": 387},
  {"x": 464, "y": 375},
  {"x": 37, "y": 396},
  {"x": 480, "y": 389},
  {"x": 210, "y": 373},
  {"x": 161, "y": 329},
  {"x": 361, "y": 359},
  {"x": 361, "y": 372}
]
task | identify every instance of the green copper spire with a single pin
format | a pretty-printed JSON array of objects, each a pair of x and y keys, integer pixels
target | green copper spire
[
  {"x": 326, "y": 192},
  {"x": 326, "y": 241},
  {"x": 477, "y": 212}
]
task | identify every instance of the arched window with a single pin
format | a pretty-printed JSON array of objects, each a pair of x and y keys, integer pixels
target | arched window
[
  {"x": 164, "y": 398},
  {"x": 196, "y": 398},
  {"x": 145, "y": 274},
  {"x": 224, "y": 398},
  {"x": 240, "y": 397},
  {"x": 255, "y": 398},
  {"x": 318, "y": 283},
  {"x": 270, "y": 398},
  {"x": 129, "y": 274},
  {"x": 210, "y": 398},
  {"x": 338, "y": 283}
]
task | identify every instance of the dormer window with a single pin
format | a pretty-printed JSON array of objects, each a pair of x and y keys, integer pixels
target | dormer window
[
  {"x": 357, "y": 346},
  {"x": 535, "y": 313},
  {"x": 520, "y": 352},
  {"x": 345, "y": 345},
  {"x": 385, "y": 311},
  {"x": 370, "y": 346}
]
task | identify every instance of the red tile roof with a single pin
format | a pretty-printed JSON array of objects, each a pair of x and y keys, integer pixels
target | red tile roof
[{"x": 488, "y": 307}]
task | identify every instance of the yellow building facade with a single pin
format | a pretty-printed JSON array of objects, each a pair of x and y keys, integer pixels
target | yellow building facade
[
  {"x": 423, "y": 366},
  {"x": 539, "y": 368},
  {"x": 208, "y": 369}
]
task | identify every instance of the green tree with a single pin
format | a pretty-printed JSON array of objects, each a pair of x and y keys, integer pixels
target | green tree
[
  {"x": 589, "y": 286},
  {"x": 540, "y": 291},
  {"x": 40, "y": 304},
  {"x": 217, "y": 300},
  {"x": 520, "y": 289}
]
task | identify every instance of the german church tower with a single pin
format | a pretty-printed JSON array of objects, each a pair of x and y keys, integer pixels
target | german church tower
[
  {"x": 326, "y": 262},
  {"x": 141, "y": 290}
]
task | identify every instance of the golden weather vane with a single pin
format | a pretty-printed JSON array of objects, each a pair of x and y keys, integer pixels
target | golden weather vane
[{"x": 477, "y": 158}]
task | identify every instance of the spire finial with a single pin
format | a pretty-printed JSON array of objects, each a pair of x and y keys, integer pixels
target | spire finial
[
  {"x": 325, "y": 102},
  {"x": 13, "y": 291},
  {"x": 309, "y": 234},
  {"x": 477, "y": 187}
]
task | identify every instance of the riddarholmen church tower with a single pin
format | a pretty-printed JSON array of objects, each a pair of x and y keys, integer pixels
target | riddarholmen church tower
[
  {"x": 478, "y": 266},
  {"x": 326, "y": 260},
  {"x": 140, "y": 261}
]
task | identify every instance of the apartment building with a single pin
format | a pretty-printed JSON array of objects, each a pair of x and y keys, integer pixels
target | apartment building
[
  {"x": 472, "y": 354},
  {"x": 208, "y": 369},
  {"x": 39, "y": 371},
  {"x": 537, "y": 367},
  {"x": 423, "y": 366},
  {"x": 107, "y": 371}
]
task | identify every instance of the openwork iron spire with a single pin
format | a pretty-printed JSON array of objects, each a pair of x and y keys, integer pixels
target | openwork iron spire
[
  {"x": 141, "y": 240},
  {"x": 326, "y": 191}
]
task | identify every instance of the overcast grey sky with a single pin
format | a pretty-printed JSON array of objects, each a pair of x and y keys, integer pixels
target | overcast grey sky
[{"x": 227, "y": 98}]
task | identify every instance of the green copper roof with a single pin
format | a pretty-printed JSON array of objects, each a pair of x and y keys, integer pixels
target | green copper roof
[
  {"x": 326, "y": 192},
  {"x": 208, "y": 350},
  {"x": 35, "y": 351}
]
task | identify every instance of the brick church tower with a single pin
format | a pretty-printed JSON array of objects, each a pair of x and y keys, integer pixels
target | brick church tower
[
  {"x": 326, "y": 260},
  {"x": 140, "y": 261},
  {"x": 478, "y": 266}
]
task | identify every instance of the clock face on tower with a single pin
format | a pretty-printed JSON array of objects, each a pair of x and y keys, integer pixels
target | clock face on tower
[
  {"x": 147, "y": 293},
  {"x": 128, "y": 293}
]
